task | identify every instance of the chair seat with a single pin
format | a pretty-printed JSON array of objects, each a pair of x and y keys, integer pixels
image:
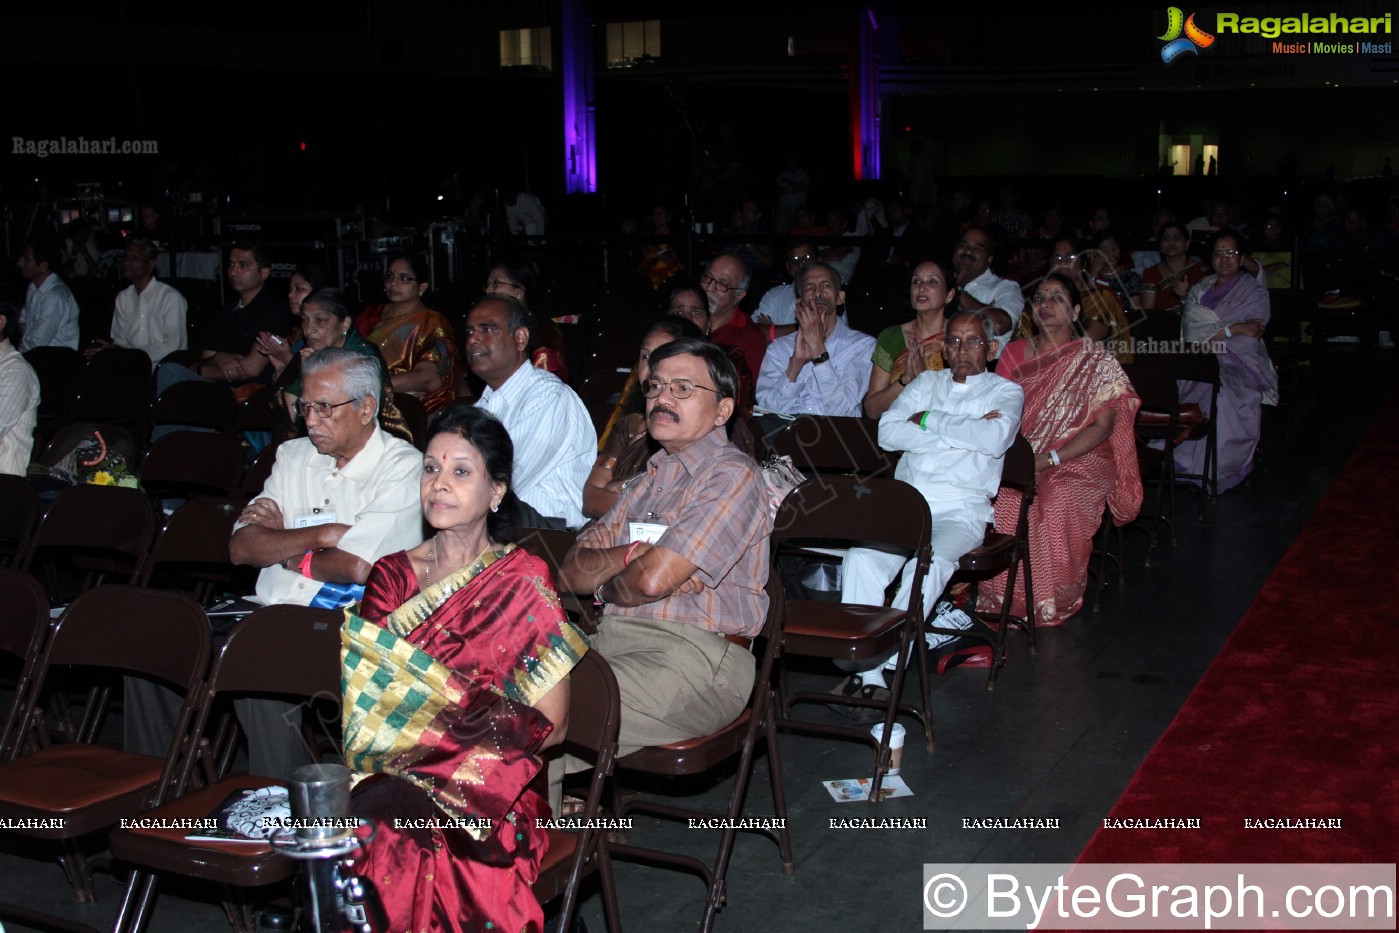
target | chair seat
[
  {"x": 690, "y": 756},
  {"x": 840, "y": 630},
  {"x": 87, "y": 786},
  {"x": 554, "y": 869},
  {"x": 993, "y": 554},
  {"x": 244, "y": 864}
]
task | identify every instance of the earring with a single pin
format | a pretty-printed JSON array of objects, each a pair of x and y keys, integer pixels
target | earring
[{"x": 495, "y": 507}]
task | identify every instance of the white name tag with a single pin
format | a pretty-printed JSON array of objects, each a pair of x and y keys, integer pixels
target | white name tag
[
  {"x": 312, "y": 519},
  {"x": 650, "y": 532}
]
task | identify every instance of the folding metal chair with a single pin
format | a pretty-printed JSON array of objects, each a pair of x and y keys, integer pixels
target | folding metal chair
[
  {"x": 882, "y": 513},
  {"x": 24, "y": 625},
  {"x": 71, "y": 790},
  {"x": 1002, "y": 552},
  {"x": 283, "y": 650},
  {"x": 594, "y": 711},
  {"x": 696, "y": 756}
]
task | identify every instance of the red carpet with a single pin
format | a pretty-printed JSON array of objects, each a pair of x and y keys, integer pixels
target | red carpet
[{"x": 1298, "y": 717}]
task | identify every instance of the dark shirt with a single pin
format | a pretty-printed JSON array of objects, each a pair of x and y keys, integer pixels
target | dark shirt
[{"x": 236, "y": 328}]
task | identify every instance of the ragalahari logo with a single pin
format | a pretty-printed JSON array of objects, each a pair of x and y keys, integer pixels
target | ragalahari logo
[{"x": 1177, "y": 44}]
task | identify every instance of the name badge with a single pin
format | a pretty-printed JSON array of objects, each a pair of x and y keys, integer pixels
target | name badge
[
  {"x": 650, "y": 532},
  {"x": 313, "y": 518}
]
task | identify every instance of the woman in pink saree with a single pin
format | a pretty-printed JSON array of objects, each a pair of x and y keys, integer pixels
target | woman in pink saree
[
  {"x": 1078, "y": 417},
  {"x": 455, "y": 678}
]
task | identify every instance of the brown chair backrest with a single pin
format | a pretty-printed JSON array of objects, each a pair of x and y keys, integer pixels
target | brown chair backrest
[
  {"x": 848, "y": 508},
  {"x": 414, "y": 416},
  {"x": 115, "y": 385},
  {"x": 99, "y": 529},
  {"x": 594, "y": 710},
  {"x": 281, "y": 649},
  {"x": 1191, "y": 367},
  {"x": 195, "y": 404},
  {"x": 164, "y": 635},
  {"x": 1155, "y": 386},
  {"x": 821, "y": 444},
  {"x": 57, "y": 369},
  {"x": 194, "y": 544},
  {"x": 193, "y": 463},
  {"x": 552, "y": 545},
  {"x": 256, "y": 412},
  {"x": 24, "y": 621},
  {"x": 257, "y": 475},
  {"x": 19, "y": 511},
  {"x": 1018, "y": 470}
]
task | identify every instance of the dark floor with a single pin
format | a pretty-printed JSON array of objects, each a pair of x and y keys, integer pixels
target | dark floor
[{"x": 1060, "y": 736}]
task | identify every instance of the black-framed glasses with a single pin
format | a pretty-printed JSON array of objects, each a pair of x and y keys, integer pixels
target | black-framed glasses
[
  {"x": 971, "y": 343},
  {"x": 402, "y": 278},
  {"x": 805, "y": 258},
  {"x": 502, "y": 283},
  {"x": 1226, "y": 253},
  {"x": 707, "y": 280},
  {"x": 1065, "y": 257},
  {"x": 322, "y": 409},
  {"x": 679, "y": 388}
]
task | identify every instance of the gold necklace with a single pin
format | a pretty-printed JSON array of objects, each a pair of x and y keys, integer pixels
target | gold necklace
[{"x": 432, "y": 558}]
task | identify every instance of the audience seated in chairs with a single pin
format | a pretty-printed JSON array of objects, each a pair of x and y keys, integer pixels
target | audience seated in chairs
[{"x": 19, "y": 398}]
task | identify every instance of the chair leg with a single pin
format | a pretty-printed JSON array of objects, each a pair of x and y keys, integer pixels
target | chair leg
[
  {"x": 75, "y": 868},
  {"x": 779, "y": 788},
  {"x": 133, "y": 913}
]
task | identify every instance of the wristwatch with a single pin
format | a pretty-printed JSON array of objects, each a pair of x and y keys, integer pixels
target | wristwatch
[{"x": 818, "y": 360}]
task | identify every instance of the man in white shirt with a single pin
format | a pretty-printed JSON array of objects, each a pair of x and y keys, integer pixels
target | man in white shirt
[
  {"x": 19, "y": 398},
  {"x": 337, "y": 500},
  {"x": 954, "y": 427},
  {"x": 50, "y": 316},
  {"x": 777, "y": 311},
  {"x": 824, "y": 367},
  {"x": 978, "y": 289},
  {"x": 555, "y": 443},
  {"x": 150, "y": 315}
]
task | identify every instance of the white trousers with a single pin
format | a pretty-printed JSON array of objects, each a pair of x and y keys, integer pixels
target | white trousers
[{"x": 867, "y": 573}]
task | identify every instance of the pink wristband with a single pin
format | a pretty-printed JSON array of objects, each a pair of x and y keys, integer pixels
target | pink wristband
[
  {"x": 772, "y": 332},
  {"x": 626, "y": 558},
  {"x": 305, "y": 568}
]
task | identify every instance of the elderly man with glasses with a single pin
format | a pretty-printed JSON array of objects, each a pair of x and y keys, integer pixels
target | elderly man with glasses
[
  {"x": 824, "y": 367},
  {"x": 954, "y": 427},
  {"x": 337, "y": 500},
  {"x": 725, "y": 283}
]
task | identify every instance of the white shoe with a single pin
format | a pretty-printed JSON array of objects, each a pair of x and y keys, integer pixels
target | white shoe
[
  {"x": 947, "y": 617},
  {"x": 1386, "y": 341}
]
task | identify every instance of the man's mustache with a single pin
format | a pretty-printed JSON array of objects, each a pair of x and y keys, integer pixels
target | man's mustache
[{"x": 661, "y": 410}]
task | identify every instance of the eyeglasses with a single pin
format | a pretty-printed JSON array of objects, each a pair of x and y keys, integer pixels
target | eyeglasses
[
  {"x": 679, "y": 388},
  {"x": 1226, "y": 253},
  {"x": 502, "y": 283},
  {"x": 807, "y": 258},
  {"x": 322, "y": 409},
  {"x": 707, "y": 280},
  {"x": 1065, "y": 257},
  {"x": 971, "y": 343},
  {"x": 402, "y": 278}
]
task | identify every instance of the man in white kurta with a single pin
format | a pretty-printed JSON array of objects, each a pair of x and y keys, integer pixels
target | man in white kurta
[{"x": 954, "y": 427}]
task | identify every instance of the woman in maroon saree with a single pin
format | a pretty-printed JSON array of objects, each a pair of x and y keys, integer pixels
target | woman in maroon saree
[
  {"x": 1078, "y": 416},
  {"x": 455, "y": 678}
]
